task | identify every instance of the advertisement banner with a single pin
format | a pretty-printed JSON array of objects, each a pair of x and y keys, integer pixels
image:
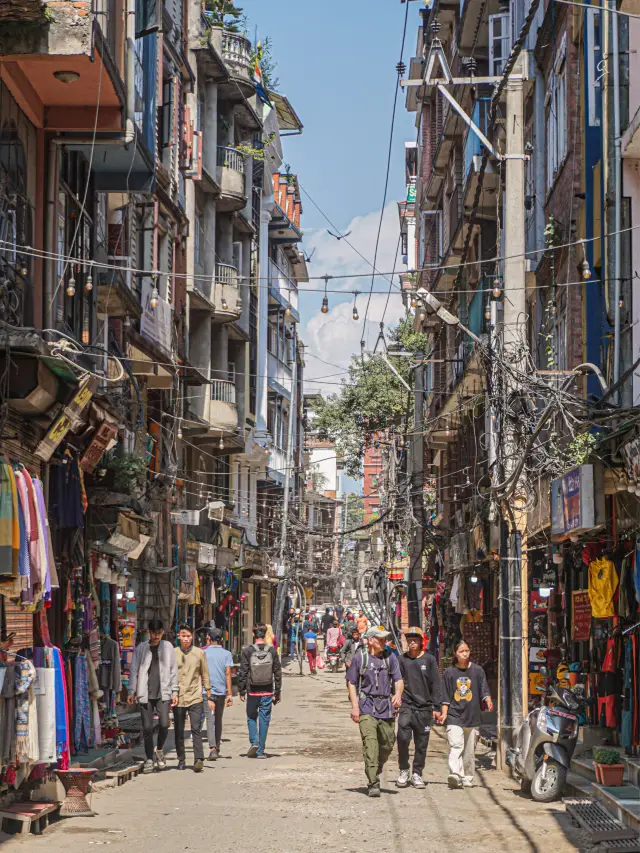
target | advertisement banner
[{"x": 581, "y": 616}]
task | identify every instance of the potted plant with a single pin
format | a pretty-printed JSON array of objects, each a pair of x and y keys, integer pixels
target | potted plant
[{"x": 609, "y": 769}]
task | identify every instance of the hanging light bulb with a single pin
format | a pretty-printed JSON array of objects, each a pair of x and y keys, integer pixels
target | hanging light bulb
[
  {"x": 221, "y": 444},
  {"x": 287, "y": 310},
  {"x": 474, "y": 578},
  {"x": 422, "y": 314},
  {"x": 356, "y": 316},
  {"x": 414, "y": 302},
  {"x": 88, "y": 284},
  {"x": 325, "y": 305},
  {"x": 487, "y": 313},
  {"x": 180, "y": 430},
  {"x": 71, "y": 287},
  {"x": 621, "y": 303},
  {"x": 153, "y": 300},
  {"x": 497, "y": 290}
]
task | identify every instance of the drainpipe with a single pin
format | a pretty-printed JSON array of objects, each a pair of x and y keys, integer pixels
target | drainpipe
[
  {"x": 617, "y": 194},
  {"x": 52, "y": 164}
]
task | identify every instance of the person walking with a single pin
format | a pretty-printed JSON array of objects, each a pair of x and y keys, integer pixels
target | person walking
[
  {"x": 153, "y": 683},
  {"x": 193, "y": 681},
  {"x": 465, "y": 689},
  {"x": 362, "y": 623},
  {"x": 219, "y": 661},
  {"x": 327, "y": 621},
  {"x": 260, "y": 686},
  {"x": 375, "y": 686},
  {"x": 421, "y": 704},
  {"x": 311, "y": 648}
]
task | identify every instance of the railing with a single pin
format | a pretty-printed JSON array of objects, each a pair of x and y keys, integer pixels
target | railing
[
  {"x": 236, "y": 49},
  {"x": 230, "y": 158},
  {"x": 226, "y": 274},
  {"x": 223, "y": 391}
]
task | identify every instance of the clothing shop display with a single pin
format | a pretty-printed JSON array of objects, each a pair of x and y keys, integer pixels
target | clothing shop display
[{"x": 603, "y": 582}]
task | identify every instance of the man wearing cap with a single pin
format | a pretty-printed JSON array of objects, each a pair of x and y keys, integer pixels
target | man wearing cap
[
  {"x": 220, "y": 662},
  {"x": 375, "y": 689},
  {"x": 421, "y": 704}
]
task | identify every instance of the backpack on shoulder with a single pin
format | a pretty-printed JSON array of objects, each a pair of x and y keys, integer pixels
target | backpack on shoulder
[{"x": 261, "y": 665}]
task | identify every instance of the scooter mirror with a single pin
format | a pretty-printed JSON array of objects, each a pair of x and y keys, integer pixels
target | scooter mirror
[{"x": 544, "y": 671}]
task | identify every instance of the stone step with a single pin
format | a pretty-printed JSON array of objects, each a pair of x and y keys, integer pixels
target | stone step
[
  {"x": 623, "y": 803},
  {"x": 583, "y": 766}
]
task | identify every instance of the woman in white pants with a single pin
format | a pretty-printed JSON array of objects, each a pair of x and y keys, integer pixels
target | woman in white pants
[{"x": 465, "y": 691}]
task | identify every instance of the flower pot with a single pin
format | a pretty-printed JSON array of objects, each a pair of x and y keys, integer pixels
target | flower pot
[
  {"x": 596, "y": 768},
  {"x": 609, "y": 775}
]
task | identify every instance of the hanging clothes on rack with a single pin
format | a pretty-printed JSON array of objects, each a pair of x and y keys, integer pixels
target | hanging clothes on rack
[
  {"x": 603, "y": 582},
  {"x": 9, "y": 522},
  {"x": 82, "y": 736}
]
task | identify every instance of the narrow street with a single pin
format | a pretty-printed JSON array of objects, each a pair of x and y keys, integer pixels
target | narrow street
[{"x": 310, "y": 795}]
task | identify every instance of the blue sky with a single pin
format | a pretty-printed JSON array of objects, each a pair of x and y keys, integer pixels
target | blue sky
[{"x": 336, "y": 64}]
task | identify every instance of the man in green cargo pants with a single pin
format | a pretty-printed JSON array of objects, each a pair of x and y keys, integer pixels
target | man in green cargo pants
[{"x": 375, "y": 689}]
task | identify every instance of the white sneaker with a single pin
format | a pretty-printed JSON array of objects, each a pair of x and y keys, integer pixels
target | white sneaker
[
  {"x": 403, "y": 779},
  {"x": 159, "y": 760},
  {"x": 467, "y": 783},
  {"x": 453, "y": 780},
  {"x": 417, "y": 781}
]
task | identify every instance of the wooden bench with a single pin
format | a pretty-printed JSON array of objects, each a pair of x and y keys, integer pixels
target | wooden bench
[
  {"x": 34, "y": 817},
  {"x": 124, "y": 772}
]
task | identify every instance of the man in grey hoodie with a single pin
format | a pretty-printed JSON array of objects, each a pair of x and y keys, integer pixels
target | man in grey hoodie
[{"x": 153, "y": 683}]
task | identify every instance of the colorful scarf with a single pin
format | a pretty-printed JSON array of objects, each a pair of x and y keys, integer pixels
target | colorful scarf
[
  {"x": 25, "y": 674},
  {"x": 9, "y": 522}
]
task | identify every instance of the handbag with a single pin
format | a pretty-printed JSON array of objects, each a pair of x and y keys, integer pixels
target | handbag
[{"x": 320, "y": 662}]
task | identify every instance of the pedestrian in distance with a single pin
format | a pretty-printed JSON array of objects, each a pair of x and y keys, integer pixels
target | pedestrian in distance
[
  {"x": 153, "y": 683},
  {"x": 421, "y": 704},
  {"x": 311, "y": 648},
  {"x": 465, "y": 691},
  {"x": 193, "y": 682},
  {"x": 362, "y": 623},
  {"x": 375, "y": 686},
  {"x": 260, "y": 686},
  {"x": 327, "y": 621},
  {"x": 219, "y": 661}
]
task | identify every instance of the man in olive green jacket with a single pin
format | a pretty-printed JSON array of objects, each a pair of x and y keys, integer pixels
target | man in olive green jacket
[{"x": 193, "y": 681}]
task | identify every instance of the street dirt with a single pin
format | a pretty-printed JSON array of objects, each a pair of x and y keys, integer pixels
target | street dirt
[{"x": 309, "y": 795}]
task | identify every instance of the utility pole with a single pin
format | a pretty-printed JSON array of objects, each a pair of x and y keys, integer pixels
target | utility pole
[
  {"x": 417, "y": 500},
  {"x": 513, "y": 562}
]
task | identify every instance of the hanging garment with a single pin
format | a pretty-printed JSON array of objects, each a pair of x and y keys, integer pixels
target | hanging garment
[
  {"x": 603, "y": 582},
  {"x": 9, "y": 523},
  {"x": 626, "y": 733},
  {"x": 627, "y": 602},
  {"x": 25, "y": 675},
  {"x": 62, "y": 710},
  {"x": 636, "y": 572},
  {"x": 46, "y": 710},
  {"x": 24, "y": 561},
  {"x": 82, "y": 735},
  {"x": 66, "y": 495},
  {"x": 8, "y": 717},
  {"x": 43, "y": 531},
  {"x": 109, "y": 672},
  {"x": 34, "y": 545}
]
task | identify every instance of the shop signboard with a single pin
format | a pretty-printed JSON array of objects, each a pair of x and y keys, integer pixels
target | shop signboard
[
  {"x": 581, "y": 616},
  {"x": 206, "y": 554},
  {"x": 411, "y": 192},
  {"x": 68, "y": 419},
  {"x": 185, "y": 516},
  {"x": 103, "y": 440},
  {"x": 543, "y": 570},
  {"x": 631, "y": 455},
  {"x": 573, "y": 506},
  {"x": 458, "y": 552}
]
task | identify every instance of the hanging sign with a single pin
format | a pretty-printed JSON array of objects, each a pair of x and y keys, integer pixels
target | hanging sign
[
  {"x": 543, "y": 571},
  {"x": 573, "y": 502},
  {"x": 104, "y": 436},
  {"x": 581, "y": 616},
  {"x": 68, "y": 419},
  {"x": 185, "y": 516}
]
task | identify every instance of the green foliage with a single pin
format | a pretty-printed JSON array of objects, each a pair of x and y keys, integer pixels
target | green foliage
[
  {"x": 371, "y": 400},
  {"x": 224, "y": 13},
  {"x": 354, "y": 511},
  {"x": 258, "y": 152},
  {"x": 605, "y": 755},
  {"x": 580, "y": 449},
  {"x": 129, "y": 472}
]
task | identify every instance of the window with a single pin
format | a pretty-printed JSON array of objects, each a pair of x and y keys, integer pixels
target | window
[
  {"x": 499, "y": 42},
  {"x": 556, "y": 104}
]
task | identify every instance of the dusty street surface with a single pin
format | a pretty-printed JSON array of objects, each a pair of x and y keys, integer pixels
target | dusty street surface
[{"x": 309, "y": 795}]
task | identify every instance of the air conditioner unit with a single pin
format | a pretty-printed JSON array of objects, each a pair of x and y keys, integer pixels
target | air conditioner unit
[{"x": 216, "y": 511}]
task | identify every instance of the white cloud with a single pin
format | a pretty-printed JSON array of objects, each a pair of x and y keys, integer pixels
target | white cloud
[{"x": 336, "y": 336}]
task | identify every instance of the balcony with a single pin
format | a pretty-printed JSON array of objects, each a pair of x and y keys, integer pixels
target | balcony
[
  {"x": 279, "y": 376},
  {"x": 283, "y": 290},
  {"x": 230, "y": 178},
  {"x": 223, "y": 412},
  {"x": 473, "y": 150},
  {"x": 227, "y": 300},
  {"x": 236, "y": 52}
]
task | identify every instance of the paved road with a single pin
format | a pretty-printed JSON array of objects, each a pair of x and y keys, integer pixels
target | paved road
[{"x": 309, "y": 796}]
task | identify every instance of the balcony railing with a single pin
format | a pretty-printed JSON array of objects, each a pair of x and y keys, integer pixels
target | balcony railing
[
  {"x": 223, "y": 391},
  {"x": 236, "y": 49},
  {"x": 472, "y": 144},
  {"x": 230, "y": 158},
  {"x": 226, "y": 274}
]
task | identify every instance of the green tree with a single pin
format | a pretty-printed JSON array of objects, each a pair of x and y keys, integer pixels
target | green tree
[
  {"x": 371, "y": 400},
  {"x": 224, "y": 13}
]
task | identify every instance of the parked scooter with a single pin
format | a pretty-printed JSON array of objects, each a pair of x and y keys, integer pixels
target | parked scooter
[
  {"x": 333, "y": 658},
  {"x": 545, "y": 744}
]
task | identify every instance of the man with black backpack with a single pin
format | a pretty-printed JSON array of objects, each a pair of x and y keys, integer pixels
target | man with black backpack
[
  {"x": 375, "y": 689},
  {"x": 260, "y": 685}
]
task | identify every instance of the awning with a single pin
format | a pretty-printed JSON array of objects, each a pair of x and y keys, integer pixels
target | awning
[
  {"x": 117, "y": 168},
  {"x": 287, "y": 117}
]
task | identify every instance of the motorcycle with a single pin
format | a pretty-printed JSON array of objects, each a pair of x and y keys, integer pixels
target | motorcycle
[
  {"x": 545, "y": 744},
  {"x": 333, "y": 658}
]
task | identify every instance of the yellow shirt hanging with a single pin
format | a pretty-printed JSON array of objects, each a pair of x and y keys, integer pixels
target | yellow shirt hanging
[{"x": 603, "y": 582}]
